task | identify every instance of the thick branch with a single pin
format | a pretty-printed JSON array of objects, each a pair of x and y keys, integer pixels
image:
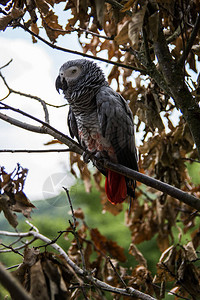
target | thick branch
[
  {"x": 75, "y": 147},
  {"x": 46, "y": 128},
  {"x": 157, "y": 184},
  {"x": 11, "y": 284},
  {"x": 129, "y": 291},
  {"x": 173, "y": 75}
]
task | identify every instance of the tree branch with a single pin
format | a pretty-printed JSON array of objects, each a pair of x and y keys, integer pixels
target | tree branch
[
  {"x": 46, "y": 128},
  {"x": 33, "y": 150},
  {"x": 43, "y": 103},
  {"x": 129, "y": 291},
  {"x": 190, "y": 42},
  {"x": 79, "y": 53},
  {"x": 75, "y": 147},
  {"x": 11, "y": 284},
  {"x": 154, "y": 183},
  {"x": 173, "y": 75}
]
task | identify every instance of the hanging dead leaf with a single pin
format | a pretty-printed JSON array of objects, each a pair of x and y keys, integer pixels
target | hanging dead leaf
[
  {"x": 78, "y": 213},
  {"x": 35, "y": 29},
  {"x": 153, "y": 22},
  {"x": 128, "y": 5},
  {"x": 100, "y": 12},
  {"x": 30, "y": 256},
  {"x": 123, "y": 37},
  {"x": 14, "y": 14},
  {"x": 53, "y": 29},
  {"x": 22, "y": 204},
  {"x": 6, "y": 207},
  {"x": 190, "y": 252},
  {"x": 43, "y": 6},
  {"x": 103, "y": 245},
  {"x": 133, "y": 250},
  {"x": 38, "y": 287},
  {"x": 135, "y": 25}
]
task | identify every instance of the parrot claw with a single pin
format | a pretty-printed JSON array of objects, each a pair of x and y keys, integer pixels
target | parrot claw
[{"x": 86, "y": 156}]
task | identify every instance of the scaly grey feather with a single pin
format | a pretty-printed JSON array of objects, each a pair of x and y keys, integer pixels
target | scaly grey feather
[{"x": 99, "y": 117}]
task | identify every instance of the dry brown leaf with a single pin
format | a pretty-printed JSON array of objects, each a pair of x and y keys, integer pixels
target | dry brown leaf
[
  {"x": 190, "y": 252},
  {"x": 43, "y": 6},
  {"x": 135, "y": 25},
  {"x": 53, "y": 29},
  {"x": 85, "y": 173},
  {"x": 78, "y": 213},
  {"x": 128, "y": 5},
  {"x": 133, "y": 250},
  {"x": 99, "y": 4},
  {"x": 154, "y": 25},
  {"x": 30, "y": 256},
  {"x": 104, "y": 245},
  {"x": 22, "y": 204},
  {"x": 14, "y": 14},
  {"x": 52, "y": 142},
  {"x": 123, "y": 37},
  {"x": 35, "y": 29},
  {"x": 38, "y": 287},
  {"x": 6, "y": 207}
]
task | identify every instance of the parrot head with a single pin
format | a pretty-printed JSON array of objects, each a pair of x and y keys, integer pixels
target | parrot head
[
  {"x": 79, "y": 73},
  {"x": 68, "y": 74}
]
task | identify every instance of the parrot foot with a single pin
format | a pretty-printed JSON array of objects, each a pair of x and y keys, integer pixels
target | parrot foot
[{"x": 87, "y": 156}]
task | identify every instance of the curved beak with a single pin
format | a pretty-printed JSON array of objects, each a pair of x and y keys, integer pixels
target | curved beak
[{"x": 58, "y": 84}]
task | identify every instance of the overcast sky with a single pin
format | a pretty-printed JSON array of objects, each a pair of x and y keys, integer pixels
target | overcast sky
[{"x": 33, "y": 71}]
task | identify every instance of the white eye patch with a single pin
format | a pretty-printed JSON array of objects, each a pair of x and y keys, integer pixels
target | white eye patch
[{"x": 71, "y": 73}]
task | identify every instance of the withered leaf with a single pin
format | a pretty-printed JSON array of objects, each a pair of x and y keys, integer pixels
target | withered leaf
[
  {"x": 22, "y": 204},
  {"x": 133, "y": 250},
  {"x": 78, "y": 213},
  {"x": 135, "y": 25},
  {"x": 128, "y": 5},
  {"x": 14, "y": 14},
  {"x": 53, "y": 29},
  {"x": 43, "y": 6},
  {"x": 30, "y": 256},
  {"x": 38, "y": 287},
  {"x": 6, "y": 207},
  {"x": 104, "y": 245},
  {"x": 100, "y": 11},
  {"x": 123, "y": 37},
  {"x": 190, "y": 251}
]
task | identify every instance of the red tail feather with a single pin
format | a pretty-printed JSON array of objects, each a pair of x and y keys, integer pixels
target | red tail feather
[{"x": 115, "y": 187}]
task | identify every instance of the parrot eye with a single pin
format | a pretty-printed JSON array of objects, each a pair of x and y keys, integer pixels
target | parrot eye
[{"x": 74, "y": 71}]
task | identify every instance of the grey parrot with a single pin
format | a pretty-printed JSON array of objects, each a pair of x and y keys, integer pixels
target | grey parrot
[{"x": 101, "y": 120}]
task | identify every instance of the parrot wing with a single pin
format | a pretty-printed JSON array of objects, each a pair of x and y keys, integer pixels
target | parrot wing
[
  {"x": 116, "y": 122},
  {"x": 73, "y": 128}
]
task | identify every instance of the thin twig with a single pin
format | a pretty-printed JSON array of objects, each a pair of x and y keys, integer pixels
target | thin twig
[
  {"x": 129, "y": 291},
  {"x": 33, "y": 150},
  {"x": 116, "y": 272},
  {"x": 142, "y": 71},
  {"x": 7, "y": 64},
  {"x": 190, "y": 41},
  {"x": 43, "y": 103},
  {"x": 73, "y": 226},
  {"x": 46, "y": 127},
  {"x": 12, "y": 249},
  {"x": 191, "y": 159}
]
